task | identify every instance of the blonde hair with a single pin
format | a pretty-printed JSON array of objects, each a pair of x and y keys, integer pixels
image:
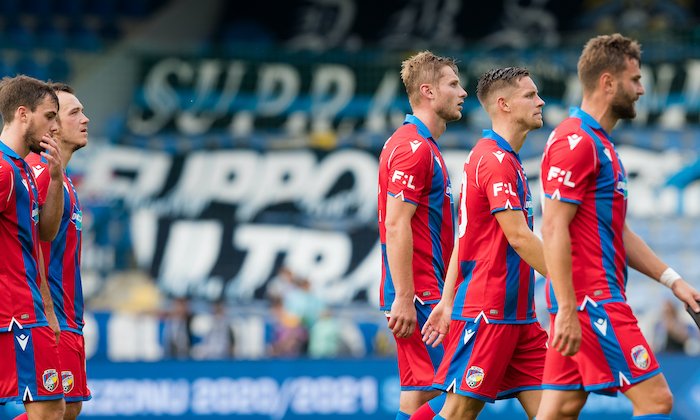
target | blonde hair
[
  {"x": 424, "y": 67},
  {"x": 606, "y": 53}
]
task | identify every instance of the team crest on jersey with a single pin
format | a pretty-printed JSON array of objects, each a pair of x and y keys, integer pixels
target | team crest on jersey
[
  {"x": 67, "y": 380},
  {"x": 474, "y": 377},
  {"x": 77, "y": 218},
  {"x": 50, "y": 379},
  {"x": 621, "y": 184},
  {"x": 640, "y": 356}
]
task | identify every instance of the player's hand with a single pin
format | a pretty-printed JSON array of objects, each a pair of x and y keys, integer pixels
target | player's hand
[
  {"x": 402, "y": 317},
  {"x": 437, "y": 325},
  {"x": 686, "y": 294},
  {"x": 567, "y": 333},
  {"x": 52, "y": 154},
  {"x": 53, "y": 323}
]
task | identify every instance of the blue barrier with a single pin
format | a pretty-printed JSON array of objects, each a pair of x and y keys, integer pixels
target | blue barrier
[{"x": 307, "y": 389}]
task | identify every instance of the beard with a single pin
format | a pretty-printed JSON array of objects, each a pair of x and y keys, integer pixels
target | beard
[
  {"x": 449, "y": 113},
  {"x": 32, "y": 139},
  {"x": 622, "y": 106}
]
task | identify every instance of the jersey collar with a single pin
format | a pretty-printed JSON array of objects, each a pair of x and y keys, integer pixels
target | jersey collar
[
  {"x": 422, "y": 129},
  {"x": 500, "y": 141},
  {"x": 9, "y": 152},
  {"x": 577, "y": 112}
]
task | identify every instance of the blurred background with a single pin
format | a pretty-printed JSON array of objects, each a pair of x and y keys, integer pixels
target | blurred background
[{"x": 231, "y": 257}]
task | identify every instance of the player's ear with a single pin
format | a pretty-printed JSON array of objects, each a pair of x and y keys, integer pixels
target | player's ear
[
  {"x": 606, "y": 82},
  {"x": 426, "y": 90},
  {"x": 21, "y": 113},
  {"x": 503, "y": 104}
]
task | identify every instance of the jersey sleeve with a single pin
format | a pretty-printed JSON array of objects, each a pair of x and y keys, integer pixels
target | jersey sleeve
[
  {"x": 410, "y": 171},
  {"x": 568, "y": 167},
  {"x": 499, "y": 181},
  {"x": 6, "y": 185}
]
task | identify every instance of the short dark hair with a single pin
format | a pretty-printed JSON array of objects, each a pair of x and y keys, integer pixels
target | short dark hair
[
  {"x": 496, "y": 79},
  {"x": 19, "y": 91},
  {"x": 61, "y": 87},
  {"x": 606, "y": 53}
]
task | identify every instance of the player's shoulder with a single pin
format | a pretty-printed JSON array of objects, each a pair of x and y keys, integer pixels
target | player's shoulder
[
  {"x": 38, "y": 165},
  {"x": 488, "y": 152},
  {"x": 568, "y": 134},
  {"x": 34, "y": 159},
  {"x": 571, "y": 127},
  {"x": 407, "y": 140}
]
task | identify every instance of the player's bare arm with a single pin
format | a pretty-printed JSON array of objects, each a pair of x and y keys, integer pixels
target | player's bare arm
[
  {"x": 522, "y": 239},
  {"x": 46, "y": 297},
  {"x": 399, "y": 249},
  {"x": 438, "y": 324},
  {"x": 557, "y": 254},
  {"x": 52, "y": 210},
  {"x": 643, "y": 259}
]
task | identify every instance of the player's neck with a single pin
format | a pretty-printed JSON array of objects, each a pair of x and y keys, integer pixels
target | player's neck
[
  {"x": 512, "y": 133},
  {"x": 432, "y": 121},
  {"x": 14, "y": 140},
  {"x": 66, "y": 155},
  {"x": 601, "y": 111}
]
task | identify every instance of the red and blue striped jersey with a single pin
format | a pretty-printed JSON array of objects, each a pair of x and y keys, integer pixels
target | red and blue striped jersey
[
  {"x": 20, "y": 299},
  {"x": 580, "y": 166},
  {"x": 492, "y": 278},
  {"x": 411, "y": 168},
  {"x": 62, "y": 255}
]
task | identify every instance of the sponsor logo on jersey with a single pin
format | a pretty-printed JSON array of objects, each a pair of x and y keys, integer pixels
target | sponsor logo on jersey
[
  {"x": 506, "y": 187},
  {"x": 474, "y": 377},
  {"x": 499, "y": 155},
  {"x": 67, "y": 380},
  {"x": 50, "y": 379},
  {"x": 403, "y": 178},
  {"x": 574, "y": 139},
  {"x": 77, "y": 217},
  {"x": 640, "y": 356},
  {"x": 35, "y": 213},
  {"x": 37, "y": 169},
  {"x": 621, "y": 184},
  {"x": 23, "y": 339},
  {"x": 415, "y": 144},
  {"x": 561, "y": 175}
]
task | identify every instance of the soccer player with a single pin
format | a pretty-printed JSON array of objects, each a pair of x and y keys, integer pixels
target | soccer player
[
  {"x": 496, "y": 347},
  {"x": 416, "y": 222},
  {"x": 30, "y": 370},
  {"x": 595, "y": 343},
  {"x": 62, "y": 255}
]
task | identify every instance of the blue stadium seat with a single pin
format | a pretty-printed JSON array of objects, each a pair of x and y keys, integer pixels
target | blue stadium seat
[
  {"x": 58, "y": 68},
  {"x": 26, "y": 64}
]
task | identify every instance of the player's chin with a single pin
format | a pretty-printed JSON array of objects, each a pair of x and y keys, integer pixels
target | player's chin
[{"x": 456, "y": 116}]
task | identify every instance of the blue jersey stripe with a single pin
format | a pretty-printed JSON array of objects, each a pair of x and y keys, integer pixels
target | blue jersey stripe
[
  {"x": 466, "y": 269},
  {"x": 26, "y": 368},
  {"x": 608, "y": 342},
  {"x": 58, "y": 249},
  {"x": 78, "y": 297},
  {"x": 464, "y": 353},
  {"x": 604, "y": 199},
  {"x": 25, "y": 227},
  {"x": 389, "y": 291},
  {"x": 436, "y": 201},
  {"x": 510, "y": 306},
  {"x": 435, "y": 353}
]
